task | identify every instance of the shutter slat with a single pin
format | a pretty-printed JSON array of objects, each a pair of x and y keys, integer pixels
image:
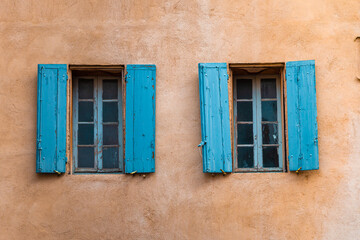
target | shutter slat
[
  {"x": 302, "y": 115},
  {"x": 215, "y": 118},
  {"x": 140, "y": 119},
  {"x": 51, "y": 118}
]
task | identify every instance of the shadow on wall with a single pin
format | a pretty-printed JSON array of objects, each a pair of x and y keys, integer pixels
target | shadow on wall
[{"x": 357, "y": 41}]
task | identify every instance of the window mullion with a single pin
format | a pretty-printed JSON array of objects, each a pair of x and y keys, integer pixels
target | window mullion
[
  {"x": 96, "y": 121},
  {"x": 254, "y": 120},
  {"x": 258, "y": 123},
  {"x": 99, "y": 123},
  {"x": 75, "y": 124},
  {"x": 279, "y": 114}
]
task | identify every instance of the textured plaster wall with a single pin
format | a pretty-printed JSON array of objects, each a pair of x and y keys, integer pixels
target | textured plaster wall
[{"x": 179, "y": 201}]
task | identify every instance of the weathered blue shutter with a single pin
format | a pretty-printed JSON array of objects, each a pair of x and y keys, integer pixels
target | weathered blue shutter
[
  {"x": 302, "y": 113},
  {"x": 51, "y": 118},
  {"x": 215, "y": 118},
  {"x": 140, "y": 119}
]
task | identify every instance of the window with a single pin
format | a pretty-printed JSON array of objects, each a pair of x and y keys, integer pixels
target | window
[
  {"x": 258, "y": 125},
  {"x": 97, "y": 122},
  {"x": 112, "y": 125},
  {"x": 255, "y": 143}
]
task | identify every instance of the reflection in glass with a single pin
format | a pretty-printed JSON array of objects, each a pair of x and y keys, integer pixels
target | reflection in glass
[
  {"x": 111, "y": 157},
  {"x": 86, "y": 111},
  {"x": 244, "y": 88},
  {"x": 268, "y": 88},
  {"x": 110, "y": 111},
  {"x": 245, "y": 133},
  {"x": 86, "y": 157},
  {"x": 110, "y": 134},
  {"x": 245, "y": 157},
  {"x": 86, "y": 134},
  {"x": 110, "y": 89},
  {"x": 244, "y": 111},
  {"x": 86, "y": 88},
  {"x": 270, "y": 157},
  {"x": 270, "y": 133},
  {"x": 269, "y": 111}
]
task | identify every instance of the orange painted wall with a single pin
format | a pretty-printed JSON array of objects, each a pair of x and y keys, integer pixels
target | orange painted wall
[{"x": 179, "y": 201}]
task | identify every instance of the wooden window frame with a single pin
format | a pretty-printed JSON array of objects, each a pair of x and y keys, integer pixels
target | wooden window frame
[
  {"x": 262, "y": 71},
  {"x": 98, "y": 77}
]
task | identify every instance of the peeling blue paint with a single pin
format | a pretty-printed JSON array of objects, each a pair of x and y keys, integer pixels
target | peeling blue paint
[
  {"x": 51, "y": 118},
  {"x": 302, "y": 115},
  {"x": 215, "y": 118},
  {"x": 140, "y": 119}
]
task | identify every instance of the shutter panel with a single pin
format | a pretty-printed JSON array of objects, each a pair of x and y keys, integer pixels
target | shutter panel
[
  {"x": 215, "y": 118},
  {"x": 51, "y": 118},
  {"x": 140, "y": 119},
  {"x": 302, "y": 113}
]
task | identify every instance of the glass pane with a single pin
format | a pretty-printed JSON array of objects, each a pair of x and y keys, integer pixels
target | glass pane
[
  {"x": 86, "y": 111},
  {"x": 245, "y": 157},
  {"x": 86, "y": 88},
  {"x": 270, "y": 157},
  {"x": 245, "y": 134},
  {"x": 86, "y": 134},
  {"x": 270, "y": 133},
  {"x": 86, "y": 157},
  {"x": 111, "y": 157},
  {"x": 110, "y": 89},
  {"x": 244, "y": 88},
  {"x": 268, "y": 88},
  {"x": 269, "y": 111},
  {"x": 244, "y": 111},
  {"x": 110, "y": 111},
  {"x": 110, "y": 134}
]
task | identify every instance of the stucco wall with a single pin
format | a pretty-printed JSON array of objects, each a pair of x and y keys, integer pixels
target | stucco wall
[{"x": 179, "y": 201}]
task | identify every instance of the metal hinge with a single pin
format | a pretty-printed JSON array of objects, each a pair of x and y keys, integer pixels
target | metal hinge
[
  {"x": 126, "y": 77},
  {"x": 202, "y": 143}
]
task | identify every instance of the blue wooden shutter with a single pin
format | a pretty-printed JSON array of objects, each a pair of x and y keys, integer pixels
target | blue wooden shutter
[
  {"x": 215, "y": 118},
  {"x": 302, "y": 113},
  {"x": 140, "y": 119},
  {"x": 51, "y": 118}
]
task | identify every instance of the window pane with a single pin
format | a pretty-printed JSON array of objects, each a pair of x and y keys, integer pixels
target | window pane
[
  {"x": 270, "y": 157},
  {"x": 245, "y": 134},
  {"x": 110, "y": 89},
  {"x": 86, "y": 134},
  {"x": 86, "y": 88},
  {"x": 86, "y": 157},
  {"x": 268, "y": 88},
  {"x": 110, "y": 134},
  {"x": 245, "y": 157},
  {"x": 110, "y": 111},
  {"x": 269, "y": 111},
  {"x": 111, "y": 157},
  {"x": 244, "y": 88},
  {"x": 244, "y": 111},
  {"x": 86, "y": 111},
  {"x": 270, "y": 133}
]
